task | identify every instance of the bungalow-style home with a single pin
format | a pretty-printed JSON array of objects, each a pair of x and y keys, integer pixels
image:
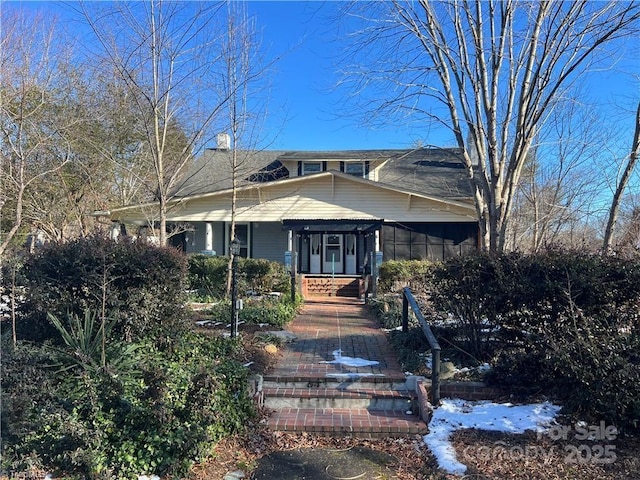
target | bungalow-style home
[{"x": 329, "y": 211}]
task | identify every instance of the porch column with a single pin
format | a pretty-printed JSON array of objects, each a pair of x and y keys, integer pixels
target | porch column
[
  {"x": 294, "y": 266},
  {"x": 376, "y": 245},
  {"x": 208, "y": 236}
]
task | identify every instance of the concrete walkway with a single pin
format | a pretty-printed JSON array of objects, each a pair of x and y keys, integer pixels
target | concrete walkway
[{"x": 331, "y": 373}]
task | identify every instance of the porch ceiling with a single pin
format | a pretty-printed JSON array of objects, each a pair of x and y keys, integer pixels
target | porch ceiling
[{"x": 332, "y": 225}]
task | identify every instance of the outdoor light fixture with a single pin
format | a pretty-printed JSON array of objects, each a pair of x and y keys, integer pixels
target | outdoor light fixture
[
  {"x": 234, "y": 251},
  {"x": 234, "y": 247}
]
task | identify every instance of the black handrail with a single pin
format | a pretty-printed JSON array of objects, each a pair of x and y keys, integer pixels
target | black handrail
[{"x": 409, "y": 301}]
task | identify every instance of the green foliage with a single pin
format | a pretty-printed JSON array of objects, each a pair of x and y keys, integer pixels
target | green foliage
[
  {"x": 563, "y": 323},
  {"x": 388, "y": 310},
  {"x": 396, "y": 274},
  {"x": 120, "y": 422},
  {"x": 141, "y": 287},
  {"x": 208, "y": 276},
  {"x": 114, "y": 384},
  {"x": 276, "y": 311},
  {"x": 86, "y": 345},
  {"x": 560, "y": 323}
]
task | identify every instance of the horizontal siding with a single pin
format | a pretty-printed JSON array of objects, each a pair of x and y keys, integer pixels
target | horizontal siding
[
  {"x": 321, "y": 198},
  {"x": 269, "y": 241}
]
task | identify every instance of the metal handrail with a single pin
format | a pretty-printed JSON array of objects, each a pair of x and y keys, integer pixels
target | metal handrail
[{"x": 408, "y": 300}]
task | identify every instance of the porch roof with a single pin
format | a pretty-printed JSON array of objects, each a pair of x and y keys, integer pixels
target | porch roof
[{"x": 332, "y": 225}]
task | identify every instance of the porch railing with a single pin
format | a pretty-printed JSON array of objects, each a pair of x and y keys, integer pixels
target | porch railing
[{"x": 408, "y": 301}]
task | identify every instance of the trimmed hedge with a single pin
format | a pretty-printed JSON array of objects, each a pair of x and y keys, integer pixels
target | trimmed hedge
[
  {"x": 141, "y": 287},
  {"x": 208, "y": 276},
  {"x": 397, "y": 274}
]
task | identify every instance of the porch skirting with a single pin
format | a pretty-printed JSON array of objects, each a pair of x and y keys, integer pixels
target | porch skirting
[{"x": 315, "y": 285}]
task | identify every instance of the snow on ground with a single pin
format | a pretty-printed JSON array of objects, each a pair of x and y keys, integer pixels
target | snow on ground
[
  {"x": 456, "y": 414},
  {"x": 350, "y": 361}
]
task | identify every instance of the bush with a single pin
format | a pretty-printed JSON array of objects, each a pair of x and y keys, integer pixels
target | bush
[
  {"x": 396, "y": 274},
  {"x": 560, "y": 323},
  {"x": 140, "y": 286},
  {"x": 275, "y": 311},
  {"x": 114, "y": 384},
  {"x": 208, "y": 276},
  {"x": 563, "y": 323},
  {"x": 158, "y": 415}
]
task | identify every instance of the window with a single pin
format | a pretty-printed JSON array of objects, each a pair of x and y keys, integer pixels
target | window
[
  {"x": 311, "y": 167},
  {"x": 357, "y": 169}
]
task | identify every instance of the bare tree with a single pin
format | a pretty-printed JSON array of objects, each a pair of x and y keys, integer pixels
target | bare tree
[
  {"x": 622, "y": 185},
  {"x": 489, "y": 71},
  {"x": 245, "y": 89},
  {"x": 33, "y": 146},
  {"x": 560, "y": 180},
  {"x": 167, "y": 55}
]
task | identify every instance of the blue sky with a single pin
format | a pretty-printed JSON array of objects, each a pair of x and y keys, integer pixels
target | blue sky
[
  {"x": 303, "y": 37},
  {"x": 308, "y": 113}
]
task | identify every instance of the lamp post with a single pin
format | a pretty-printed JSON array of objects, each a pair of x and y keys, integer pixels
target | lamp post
[{"x": 234, "y": 250}]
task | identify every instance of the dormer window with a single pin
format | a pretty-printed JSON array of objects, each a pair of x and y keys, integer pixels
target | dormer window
[{"x": 311, "y": 167}]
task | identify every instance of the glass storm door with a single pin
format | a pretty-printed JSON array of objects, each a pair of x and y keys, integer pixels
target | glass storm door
[
  {"x": 314, "y": 253},
  {"x": 332, "y": 253}
]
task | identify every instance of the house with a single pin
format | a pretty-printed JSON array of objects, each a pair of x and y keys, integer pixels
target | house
[{"x": 331, "y": 210}]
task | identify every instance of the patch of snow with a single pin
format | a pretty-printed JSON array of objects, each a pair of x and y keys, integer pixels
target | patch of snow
[
  {"x": 350, "y": 361},
  {"x": 395, "y": 329},
  {"x": 238, "y": 474},
  {"x": 485, "y": 367},
  {"x": 456, "y": 414},
  {"x": 354, "y": 376}
]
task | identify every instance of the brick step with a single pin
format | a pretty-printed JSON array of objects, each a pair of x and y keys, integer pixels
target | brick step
[
  {"x": 341, "y": 382},
  {"x": 360, "y": 423},
  {"x": 328, "y": 287},
  {"x": 328, "y": 398}
]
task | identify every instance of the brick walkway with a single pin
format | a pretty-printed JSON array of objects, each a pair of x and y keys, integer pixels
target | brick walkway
[
  {"x": 343, "y": 325},
  {"x": 312, "y": 369}
]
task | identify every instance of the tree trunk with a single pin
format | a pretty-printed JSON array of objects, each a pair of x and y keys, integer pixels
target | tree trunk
[{"x": 617, "y": 197}]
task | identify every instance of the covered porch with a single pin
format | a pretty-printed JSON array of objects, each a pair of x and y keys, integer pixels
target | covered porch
[{"x": 333, "y": 247}]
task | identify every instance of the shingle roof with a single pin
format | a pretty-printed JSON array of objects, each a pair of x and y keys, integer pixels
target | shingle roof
[{"x": 430, "y": 171}]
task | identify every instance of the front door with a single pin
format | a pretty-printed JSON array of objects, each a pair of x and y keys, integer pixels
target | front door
[
  {"x": 332, "y": 253},
  {"x": 314, "y": 253},
  {"x": 350, "y": 254}
]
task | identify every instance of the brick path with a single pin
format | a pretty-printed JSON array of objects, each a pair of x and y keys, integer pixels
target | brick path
[
  {"x": 322, "y": 328},
  {"x": 326, "y": 327}
]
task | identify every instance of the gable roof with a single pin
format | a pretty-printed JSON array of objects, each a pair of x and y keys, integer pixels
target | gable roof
[
  {"x": 432, "y": 172},
  {"x": 311, "y": 196}
]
